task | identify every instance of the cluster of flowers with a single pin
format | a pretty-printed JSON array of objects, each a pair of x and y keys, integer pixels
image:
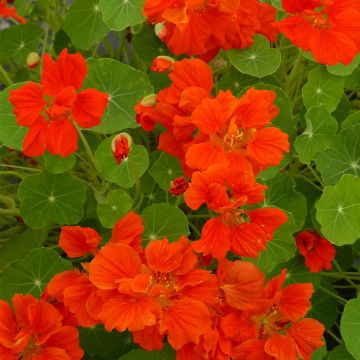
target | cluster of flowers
[
  {"x": 222, "y": 142},
  {"x": 330, "y": 29},
  {"x": 160, "y": 291},
  {"x": 202, "y": 27}
]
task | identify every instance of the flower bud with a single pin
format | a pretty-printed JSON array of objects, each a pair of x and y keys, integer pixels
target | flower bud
[
  {"x": 162, "y": 64},
  {"x": 149, "y": 100},
  {"x": 161, "y": 31},
  {"x": 33, "y": 60},
  {"x": 178, "y": 186},
  {"x": 121, "y": 146}
]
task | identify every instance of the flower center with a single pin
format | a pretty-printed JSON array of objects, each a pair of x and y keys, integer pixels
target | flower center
[{"x": 318, "y": 20}]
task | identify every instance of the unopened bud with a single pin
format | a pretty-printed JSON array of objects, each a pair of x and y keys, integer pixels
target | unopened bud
[
  {"x": 178, "y": 186},
  {"x": 148, "y": 100},
  {"x": 161, "y": 31},
  {"x": 33, "y": 60},
  {"x": 121, "y": 146},
  {"x": 162, "y": 64}
]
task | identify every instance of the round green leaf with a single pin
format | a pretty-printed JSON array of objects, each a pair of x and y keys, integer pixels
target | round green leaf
[
  {"x": 281, "y": 248},
  {"x": 338, "y": 211},
  {"x": 17, "y": 42},
  {"x": 344, "y": 70},
  {"x": 84, "y": 24},
  {"x": 125, "y": 86},
  {"x": 323, "y": 89},
  {"x": 257, "y": 60},
  {"x": 350, "y": 327},
  {"x": 123, "y": 174},
  {"x": 281, "y": 194},
  {"x": 11, "y": 134},
  {"x": 319, "y": 354},
  {"x": 96, "y": 340},
  {"x": 57, "y": 164},
  {"x": 31, "y": 275},
  {"x": 167, "y": 353},
  {"x": 115, "y": 206},
  {"x": 165, "y": 169},
  {"x": 164, "y": 221},
  {"x": 342, "y": 157},
  {"x": 340, "y": 353},
  {"x": 119, "y": 14},
  {"x": 352, "y": 119},
  {"x": 49, "y": 198},
  {"x": 321, "y": 127}
]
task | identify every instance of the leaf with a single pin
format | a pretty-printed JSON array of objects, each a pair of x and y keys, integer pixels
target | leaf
[
  {"x": 31, "y": 275},
  {"x": 49, "y": 198},
  {"x": 340, "y": 353},
  {"x": 17, "y": 42},
  {"x": 344, "y": 70},
  {"x": 148, "y": 46},
  {"x": 338, "y": 211},
  {"x": 342, "y": 157},
  {"x": 125, "y": 86},
  {"x": 321, "y": 127},
  {"x": 11, "y": 134},
  {"x": 123, "y": 174},
  {"x": 257, "y": 60},
  {"x": 352, "y": 119},
  {"x": 119, "y": 14},
  {"x": 319, "y": 354},
  {"x": 281, "y": 248},
  {"x": 281, "y": 194},
  {"x": 297, "y": 272},
  {"x": 323, "y": 88},
  {"x": 164, "y": 221},
  {"x": 167, "y": 353},
  {"x": 117, "y": 204},
  {"x": 19, "y": 246},
  {"x": 324, "y": 306},
  {"x": 57, "y": 164},
  {"x": 84, "y": 24},
  {"x": 165, "y": 170},
  {"x": 96, "y": 340},
  {"x": 350, "y": 327}
]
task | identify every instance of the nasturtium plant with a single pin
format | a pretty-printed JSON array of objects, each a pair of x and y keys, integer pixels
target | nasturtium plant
[{"x": 179, "y": 179}]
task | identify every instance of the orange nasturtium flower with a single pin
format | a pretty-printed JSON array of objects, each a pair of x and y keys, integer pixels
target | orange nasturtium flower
[
  {"x": 51, "y": 108},
  {"x": 330, "y": 29},
  {"x": 10, "y": 12},
  {"x": 35, "y": 331}
]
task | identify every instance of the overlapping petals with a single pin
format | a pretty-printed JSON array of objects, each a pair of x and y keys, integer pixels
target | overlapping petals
[{"x": 52, "y": 109}]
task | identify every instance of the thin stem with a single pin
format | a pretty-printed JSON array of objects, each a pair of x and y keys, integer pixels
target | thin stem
[
  {"x": 5, "y": 75},
  {"x": 195, "y": 229},
  {"x": 10, "y": 212},
  {"x": 333, "y": 336},
  {"x": 293, "y": 75},
  {"x": 345, "y": 276},
  {"x": 20, "y": 167},
  {"x": 90, "y": 154},
  {"x": 10, "y": 172},
  {"x": 308, "y": 180},
  {"x": 316, "y": 176},
  {"x": 336, "y": 296}
]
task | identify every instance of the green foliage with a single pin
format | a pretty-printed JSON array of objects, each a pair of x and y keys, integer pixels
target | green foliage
[
  {"x": 59, "y": 199},
  {"x": 257, "y": 60}
]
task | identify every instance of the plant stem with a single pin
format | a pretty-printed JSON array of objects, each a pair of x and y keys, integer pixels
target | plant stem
[
  {"x": 336, "y": 296},
  {"x": 137, "y": 182},
  {"x": 334, "y": 336},
  {"x": 20, "y": 167},
  {"x": 344, "y": 275},
  {"x": 293, "y": 77},
  {"x": 316, "y": 176},
  {"x": 10, "y": 212},
  {"x": 5, "y": 75}
]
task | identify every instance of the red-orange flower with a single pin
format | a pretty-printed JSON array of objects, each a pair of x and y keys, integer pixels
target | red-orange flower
[
  {"x": 199, "y": 27},
  {"x": 121, "y": 146},
  {"x": 329, "y": 29},
  {"x": 10, "y": 12},
  {"x": 230, "y": 127},
  {"x": 50, "y": 110},
  {"x": 317, "y": 251},
  {"x": 164, "y": 291},
  {"x": 35, "y": 331}
]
